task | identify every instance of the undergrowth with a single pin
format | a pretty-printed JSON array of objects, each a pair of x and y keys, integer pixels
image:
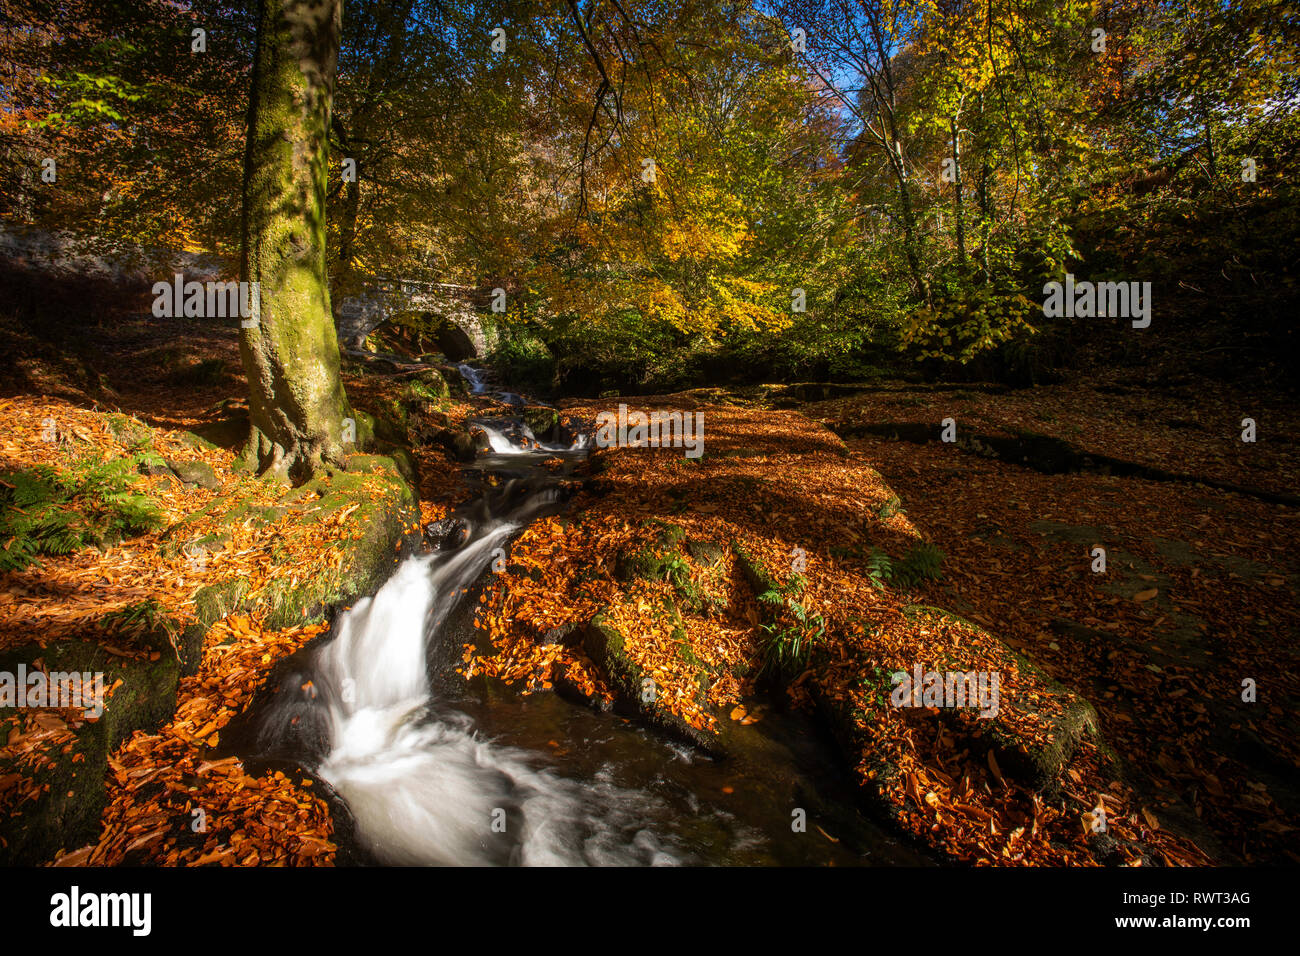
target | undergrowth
[{"x": 47, "y": 511}]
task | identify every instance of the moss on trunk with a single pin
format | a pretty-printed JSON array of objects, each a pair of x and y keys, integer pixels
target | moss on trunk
[{"x": 291, "y": 354}]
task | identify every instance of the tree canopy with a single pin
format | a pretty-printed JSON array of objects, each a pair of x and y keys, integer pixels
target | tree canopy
[{"x": 783, "y": 188}]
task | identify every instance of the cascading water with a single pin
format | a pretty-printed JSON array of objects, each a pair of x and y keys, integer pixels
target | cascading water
[
  {"x": 449, "y": 777},
  {"x": 423, "y": 787},
  {"x": 516, "y": 438},
  {"x": 472, "y": 375}
]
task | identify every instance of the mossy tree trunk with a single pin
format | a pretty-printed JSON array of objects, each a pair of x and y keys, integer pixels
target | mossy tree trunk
[{"x": 291, "y": 356}]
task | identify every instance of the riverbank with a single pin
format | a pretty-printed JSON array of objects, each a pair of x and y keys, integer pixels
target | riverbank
[{"x": 791, "y": 569}]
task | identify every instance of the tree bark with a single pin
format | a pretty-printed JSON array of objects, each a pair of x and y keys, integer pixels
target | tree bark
[
  {"x": 291, "y": 355},
  {"x": 959, "y": 225}
]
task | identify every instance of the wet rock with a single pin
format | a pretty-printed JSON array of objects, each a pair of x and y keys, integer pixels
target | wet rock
[
  {"x": 447, "y": 534},
  {"x": 636, "y": 691},
  {"x": 463, "y": 445},
  {"x": 543, "y": 421},
  {"x": 559, "y": 635}
]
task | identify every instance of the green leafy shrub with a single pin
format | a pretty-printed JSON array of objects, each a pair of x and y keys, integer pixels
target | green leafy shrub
[
  {"x": 923, "y": 563},
  {"x": 788, "y": 646},
  {"x": 47, "y": 511}
]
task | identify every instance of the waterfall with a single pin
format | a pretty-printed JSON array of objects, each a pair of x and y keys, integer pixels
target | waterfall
[
  {"x": 476, "y": 384},
  {"x": 423, "y": 786}
]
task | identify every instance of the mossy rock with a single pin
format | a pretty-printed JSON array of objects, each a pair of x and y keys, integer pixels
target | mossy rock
[
  {"x": 67, "y": 816},
  {"x": 709, "y": 554},
  {"x": 229, "y": 510},
  {"x": 462, "y": 445},
  {"x": 756, "y": 573},
  {"x": 845, "y": 720},
  {"x": 1035, "y": 763},
  {"x": 605, "y": 645},
  {"x": 389, "y": 515},
  {"x": 391, "y": 423},
  {"x": 198, "y": 473},
  {"x": 364, "y": 440},
  {"x": 401, "y": 457},
  {"x": 216, "y": 601},
  {"x": 129, "y": 432},
  {"x": 760, "y": 579},
  {"x": 542, "y": 421},
  {"x": 429, "y": 383},
  {"x": 652, "y": 561},
  {"x": 455, "y": 379},
  {"x": 153, "y": 464}
]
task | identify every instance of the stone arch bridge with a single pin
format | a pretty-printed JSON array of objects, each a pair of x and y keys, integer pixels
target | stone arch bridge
[{"x": 453, "y": 309}]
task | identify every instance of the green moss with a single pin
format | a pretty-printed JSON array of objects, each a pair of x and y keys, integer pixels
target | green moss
[
  {"x": 541, "y": 420},
  {"x": 198, "y": 473},
  {"x": 216, "y": 601},
  {"x": 636, "y": 691},
  {"x": 387, "y": 510},
  {"x": 427, "y": 386},
  {"x": 654, "y": 561},
  {"x": 365, "y": 430},
  {"x": 67, "y": 815},
  {"x": 135, "y": 435}
]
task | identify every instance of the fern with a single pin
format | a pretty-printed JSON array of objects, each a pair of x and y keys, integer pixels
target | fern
[
  {"x": 44, "y": 511},
  {"x": 923, "y": 563},
  {"x": 787, "y": 648},
  {"x": 880, "y": 567}
]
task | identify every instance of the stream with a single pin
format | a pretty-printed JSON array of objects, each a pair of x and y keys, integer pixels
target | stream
[{"x": 426, "y": 768}]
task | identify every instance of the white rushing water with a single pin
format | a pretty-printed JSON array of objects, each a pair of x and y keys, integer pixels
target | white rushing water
[
  {"x": 501, "y": 442},
  {"x": 476, "y": 384},
  {"x": 423, "y": 787}
]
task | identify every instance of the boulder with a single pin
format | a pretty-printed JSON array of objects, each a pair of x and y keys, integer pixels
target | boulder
[
  {"x": 198, "y": 473},
  {"x": 66, "y": 815}
]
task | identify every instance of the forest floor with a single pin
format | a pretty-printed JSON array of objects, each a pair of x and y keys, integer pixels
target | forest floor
[{"x": 1199, "y": 594}]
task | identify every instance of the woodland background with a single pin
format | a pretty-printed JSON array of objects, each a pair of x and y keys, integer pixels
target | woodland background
[{"x": 1111, "y": 140}]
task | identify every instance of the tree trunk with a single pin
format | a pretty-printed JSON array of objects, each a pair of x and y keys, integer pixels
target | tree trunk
[
  {"x": 959, "y": 225},
  {"x": 291, "y": 355},
  {"x": 899, "y": 168},
  {"x": 348, "y": 228}
]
